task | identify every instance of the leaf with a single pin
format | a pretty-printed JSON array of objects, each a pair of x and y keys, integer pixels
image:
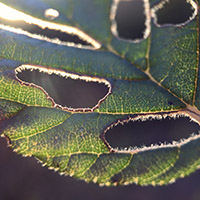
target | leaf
[{"x": 155, "y": 77}]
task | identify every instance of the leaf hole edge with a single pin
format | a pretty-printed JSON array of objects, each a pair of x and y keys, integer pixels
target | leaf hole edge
[
  {"x": 147, "y": 23},
  {"x": 64, "y": 74},
  {"x": 42, "y": 24},
  {"x": 151, "y": 116},
  {"x": 161, "y": 4}
]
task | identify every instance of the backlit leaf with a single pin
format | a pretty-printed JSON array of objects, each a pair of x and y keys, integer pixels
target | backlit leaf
[{"x": 156, "y": 76}]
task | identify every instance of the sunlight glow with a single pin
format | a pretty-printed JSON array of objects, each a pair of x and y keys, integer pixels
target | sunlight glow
[{"x": 9, "y": 13}]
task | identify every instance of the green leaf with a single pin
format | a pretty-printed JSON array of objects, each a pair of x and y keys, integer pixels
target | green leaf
[{"x": 143, "y": 78}]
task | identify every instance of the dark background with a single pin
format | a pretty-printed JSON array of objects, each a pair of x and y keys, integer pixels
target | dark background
[{"x": 25, "y": 179}]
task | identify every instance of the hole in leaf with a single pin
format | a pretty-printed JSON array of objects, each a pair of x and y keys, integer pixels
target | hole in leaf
[
  {"x": 139, "y": 133},
  {"x": 174, "y": 12},
  {"x": 49, "y": 33},
  {"x": 129, "y": 19},
  {"x": 21, "y": 23},
  {"x": 51, "y": 13},
  {"x": 66, "y": 91}
]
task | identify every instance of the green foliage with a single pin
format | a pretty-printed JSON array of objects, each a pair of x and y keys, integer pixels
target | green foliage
[{"x": 155, "y": 77}]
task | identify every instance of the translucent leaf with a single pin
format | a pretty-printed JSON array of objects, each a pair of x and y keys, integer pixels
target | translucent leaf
[{"x": 153, "y": 77}]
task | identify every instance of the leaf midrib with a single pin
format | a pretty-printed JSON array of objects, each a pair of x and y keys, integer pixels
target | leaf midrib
[
  {"x": 197, "y": 68},
  {"x": 151, "y": 78},
  {"x": 147, "y": 71}
]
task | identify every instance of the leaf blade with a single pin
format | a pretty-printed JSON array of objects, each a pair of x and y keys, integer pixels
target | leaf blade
[{"x": 73, "y": 142}]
